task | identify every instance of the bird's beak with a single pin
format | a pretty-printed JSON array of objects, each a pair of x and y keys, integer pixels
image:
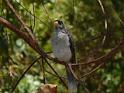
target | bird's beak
[{"x": 56, "y": 24}]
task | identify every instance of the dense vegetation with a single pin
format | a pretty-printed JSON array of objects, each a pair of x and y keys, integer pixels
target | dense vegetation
[{"x": 97, "y": 29}]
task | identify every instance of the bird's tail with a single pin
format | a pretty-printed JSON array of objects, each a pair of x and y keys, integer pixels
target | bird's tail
[{"x": 72, "y": 84}]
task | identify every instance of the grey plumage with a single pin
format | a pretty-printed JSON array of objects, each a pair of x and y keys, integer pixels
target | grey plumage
[{"x": 63, "y": 50}]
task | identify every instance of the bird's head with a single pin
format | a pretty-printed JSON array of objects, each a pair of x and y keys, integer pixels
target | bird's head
[{"x": 58, "y": 24}]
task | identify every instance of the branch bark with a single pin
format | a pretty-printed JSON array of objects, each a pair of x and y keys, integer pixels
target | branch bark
[
  {"x": 25, "y": 36},
  {"x": 29, "y": 37},
  {"x": 9, "y": 4}
]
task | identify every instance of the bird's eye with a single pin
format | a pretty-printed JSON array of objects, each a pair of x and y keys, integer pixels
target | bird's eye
[{"x": 60, "y": 22}]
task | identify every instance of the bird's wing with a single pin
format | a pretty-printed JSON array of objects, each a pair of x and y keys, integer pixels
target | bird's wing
[
  {"x": 72, "y": 84},
  {"x": 72, "y": 48}
]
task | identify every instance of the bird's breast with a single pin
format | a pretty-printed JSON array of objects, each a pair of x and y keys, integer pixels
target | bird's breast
[{"x": 61, "y": 47}]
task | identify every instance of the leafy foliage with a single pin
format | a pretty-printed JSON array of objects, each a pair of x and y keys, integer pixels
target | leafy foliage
[{"x": 86, "y": 21}]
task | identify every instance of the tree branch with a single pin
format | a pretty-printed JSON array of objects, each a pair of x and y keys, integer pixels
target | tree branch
[
  {"x": 9, "y": 4},
  {"x": 26, "y": 37},
  {"x": 106, "y": 56}
]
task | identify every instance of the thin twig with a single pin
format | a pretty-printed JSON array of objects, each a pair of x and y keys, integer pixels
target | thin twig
[
  {"x": 119, "y": 18},
  {"x": 70, "y": 67},
  {"x": 23, "y": 74},
  {"x": 43, "y": 69},
  {"x": 12, "y": 60},
  {"x": 30, "y": 34},
  {"x": 93, "y": 70},
  {"x": 19, "y": 18},
  {"x": 87, "y": 41},
  {"x": 33, "y": 18},
  {"x": 46, "y": 12},
  {"x": 33, "y": 15},
  {"x": 56, "y": 73},
  {"x": 73, "y": 8},
  {"x": 27, "y": 38},
  {"x": 101, "y": 5},
  {"x": 105, "y": 20},
  {"x": 106, "y": 56}
]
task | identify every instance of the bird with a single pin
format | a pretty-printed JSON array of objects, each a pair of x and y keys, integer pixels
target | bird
[{"x": 63, "y": 49}]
